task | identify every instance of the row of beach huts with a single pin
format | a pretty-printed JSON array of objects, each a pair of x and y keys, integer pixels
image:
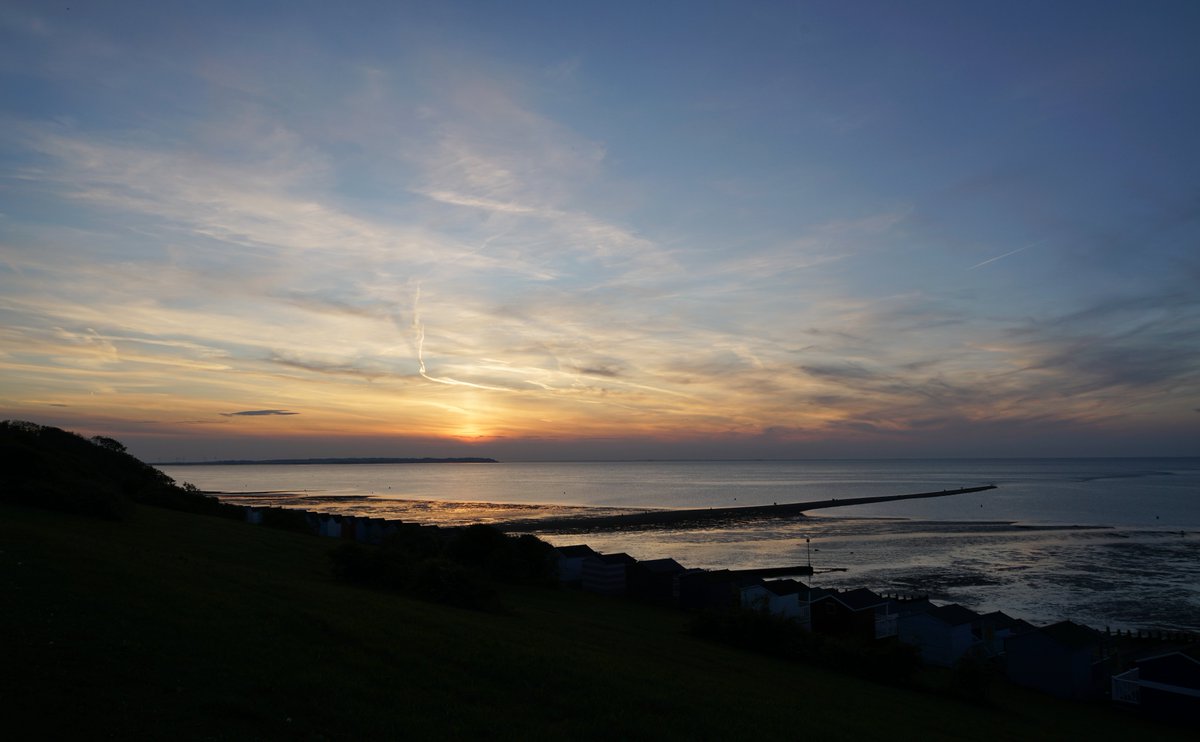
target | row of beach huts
[{"x": 1158, "y": 673}]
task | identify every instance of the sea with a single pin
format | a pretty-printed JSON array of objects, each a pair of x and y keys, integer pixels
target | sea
[{"x": 1111, "y": 543}]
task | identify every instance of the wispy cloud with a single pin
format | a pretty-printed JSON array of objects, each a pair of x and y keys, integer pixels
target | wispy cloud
[{"x": 518, "y": 245}]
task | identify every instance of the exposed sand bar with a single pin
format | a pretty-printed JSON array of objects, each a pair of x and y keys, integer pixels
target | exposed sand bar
[{"x": 661, "y": 518}]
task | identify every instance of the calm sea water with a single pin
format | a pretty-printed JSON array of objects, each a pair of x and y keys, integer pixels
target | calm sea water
[{"x": 1107, "y": 542}]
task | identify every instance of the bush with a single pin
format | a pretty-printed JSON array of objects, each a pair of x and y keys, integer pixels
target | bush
[
  {"x": 886, "y": 661},
  {"x": 286, "y": 519},
  {"x": 525, "y": 558},
  {"x": 359, "y": 565},
  {"x": 482, "y": 546},
  {"x": 436, "y": 579},
  {"x": 451, "y": 566},
  {"x": 411, "y": 542},
  {"x": 105, "y": 442},
  {"x": 754, "y": 630},
  {"x": 533, "y": 560},
  {"x": 444, "y": 581},
  {"x": 972, "y": 679}
]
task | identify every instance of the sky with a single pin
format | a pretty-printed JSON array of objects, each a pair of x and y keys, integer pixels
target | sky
[{"x": 547, "y": 230}]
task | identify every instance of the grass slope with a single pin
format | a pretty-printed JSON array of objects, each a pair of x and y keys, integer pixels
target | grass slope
[{"x": 172, "y": 625}]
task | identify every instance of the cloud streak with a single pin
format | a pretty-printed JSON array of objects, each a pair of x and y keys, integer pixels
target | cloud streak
[{"x": 1005, "y": 255}]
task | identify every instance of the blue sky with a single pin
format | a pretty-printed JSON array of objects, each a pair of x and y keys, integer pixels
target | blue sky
[{"x": 602, "y": 230}]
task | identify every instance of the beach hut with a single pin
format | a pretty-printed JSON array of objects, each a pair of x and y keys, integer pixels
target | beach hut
[
  {"x": 606, "y": 573},
  {"x": 859, "y": 613},
  {"x": 699, "y": 589},
  {"x": 331, "y": 526},
  {"x": 993, "y": 629},
  {"x": 1165, "y": 686},
  {"x": 653, "y": 580},
  {"x": 942, "y": 635},
  {"x": 376, "y": 528},
  {"x": 787, "y": 598},
  {"x": 570, "y": 562},
  {"x": 754, "y": 597},
  {"x": 1064, "y": 659}
]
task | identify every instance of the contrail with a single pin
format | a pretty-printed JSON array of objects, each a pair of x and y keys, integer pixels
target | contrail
[
  {"x": 419, "y": 328},
  {"x": 1005, "y": 255}
]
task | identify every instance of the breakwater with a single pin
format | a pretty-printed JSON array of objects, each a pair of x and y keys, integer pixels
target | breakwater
[{"x": 698, "y": 516}]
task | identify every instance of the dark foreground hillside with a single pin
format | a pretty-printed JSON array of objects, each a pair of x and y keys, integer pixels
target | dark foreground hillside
[
  {"x": 131, "y": 612},
  {"x": 46, "y": 467},
  {"x": 176, "y": 625}
]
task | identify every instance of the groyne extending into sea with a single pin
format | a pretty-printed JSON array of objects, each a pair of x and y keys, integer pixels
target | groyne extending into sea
[{"x": 696, "y": 516}]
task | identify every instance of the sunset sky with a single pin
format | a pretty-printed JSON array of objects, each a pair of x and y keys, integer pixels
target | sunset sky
[{"x": 603, "y": 229}]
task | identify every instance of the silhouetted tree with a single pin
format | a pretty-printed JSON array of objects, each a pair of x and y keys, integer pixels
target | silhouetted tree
[
  {"x": 112, "y": 444},
  {"x": 47, "y": 467},
  {"x": 886, "y": 661},
  {"x": 523, "y": 558},
  {"x": 411, "y": 542},
  {"x": 451, "y": 583}
]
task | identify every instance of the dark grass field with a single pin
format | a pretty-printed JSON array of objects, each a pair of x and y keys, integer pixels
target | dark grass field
[{"x": 176, "y": 626}]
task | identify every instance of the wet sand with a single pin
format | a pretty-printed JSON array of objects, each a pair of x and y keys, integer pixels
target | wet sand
[
  {"x": 1098, "y": 575},
  {"x": 425, "y": 512},
  {"x": 1101, "y": 575}
]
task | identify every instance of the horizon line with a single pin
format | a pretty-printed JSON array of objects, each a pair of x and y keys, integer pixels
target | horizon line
[{"x": 492, "y": 459}]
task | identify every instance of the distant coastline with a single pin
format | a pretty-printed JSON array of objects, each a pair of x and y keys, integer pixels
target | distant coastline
[{"x": 294, "y": 462}]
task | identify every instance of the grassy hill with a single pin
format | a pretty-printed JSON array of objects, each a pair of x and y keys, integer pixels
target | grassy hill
[
  {"x": 169, "y": 624},
  {"x": 47, "y": 467},
  {"x": 131, "y": 611}
]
